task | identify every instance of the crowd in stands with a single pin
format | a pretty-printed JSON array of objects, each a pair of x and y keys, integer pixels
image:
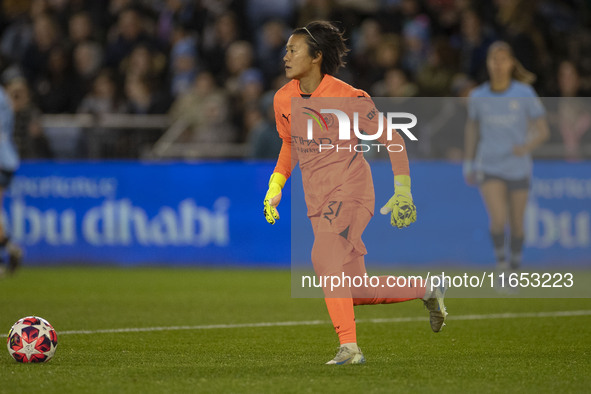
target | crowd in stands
[{"x": 216, "y": 64}]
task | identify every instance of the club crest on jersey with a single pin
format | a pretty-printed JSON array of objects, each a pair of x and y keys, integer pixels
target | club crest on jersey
[{"x": 318, "y": 118}]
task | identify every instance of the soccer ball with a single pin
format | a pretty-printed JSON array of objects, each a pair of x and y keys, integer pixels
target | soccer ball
[{"x": 32, "y": 340}]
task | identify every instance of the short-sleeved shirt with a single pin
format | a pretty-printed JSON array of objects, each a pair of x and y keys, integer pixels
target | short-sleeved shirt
[{"x": 503, "y": 119}]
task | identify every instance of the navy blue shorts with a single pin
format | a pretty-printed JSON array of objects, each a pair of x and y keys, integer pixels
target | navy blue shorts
[
  {"x": 5, "y": 178},
  {"x": 512, "y": 184}
]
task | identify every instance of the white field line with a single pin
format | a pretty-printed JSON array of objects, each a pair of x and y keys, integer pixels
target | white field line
[{"x": 321, "y": 322}]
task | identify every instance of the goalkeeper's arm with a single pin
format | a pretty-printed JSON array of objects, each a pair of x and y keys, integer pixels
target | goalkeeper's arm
[
  {"x": 282, "y": 171},
  {"x": 273, "y": 197},
  {"x": 400, "y": 206}
]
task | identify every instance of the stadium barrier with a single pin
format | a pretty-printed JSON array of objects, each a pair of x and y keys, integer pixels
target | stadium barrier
[
  {"x": 135, "y": 213},
  {"x": 72, "y": 136}
]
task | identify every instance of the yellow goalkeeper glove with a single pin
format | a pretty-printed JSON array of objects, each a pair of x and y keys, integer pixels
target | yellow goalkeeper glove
[
  {"x": 273, "y": 197},
  {"x": 403, "y": 209}
]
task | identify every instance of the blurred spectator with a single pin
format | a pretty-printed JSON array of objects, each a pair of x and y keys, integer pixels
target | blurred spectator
[
  {"x": 517, "y": 19},
  {"x": 116, "y": 7},
  {"x": 387, "y": 55},
  {"x": 56, "y": 90},
  {"x": 193, "y": 109},
  {"x": 366, "y": 43},
  {"x": 142, "y": 98},
  {"x": 96, "y": 11},
  {"x": 574, "y": 120},
  {"x": 396, "y": 45},
  {"x": 446, "y": 14},
  {"x": 569, "y": 81},
  {"x": 270, "y": 48},
  {"x": 46, "y": 35},
  {"x": 13, "y": 9},
  {"x": 183, "y": 60},
  {"x": 128, "y": 33},
  {"x": 250, "y": 88},
  {"x": 435, "y": 77},
  {"x": 59, "y": 9},
  {"x": 187, "y": 106},
  {"x": 29, "y": 138},
  {"x": 366, "y": 40},
  {"x": 239, "y": 58},
  {"x": 561, "y": 16},
  {"x": 416, "y": 42},
  {"x": 18, "y": 35},
  {"x": 80, "y": 28},
  {"x": 395, "y": 84},
  {"x": 312, "y": 10},
  {"x": 216, "y": 40},
  {"x": 263, "y": 140},
  {"x": 102, "y": 99},
  {"x": 259, "y": 12},
  {"x": 144, "y": 62},
  {"x": 174, "y": 13},
  {"x": 38, "y": 8},
  {"x": 145, "y": 68},
  {"x": 87, "y": 58},
  {"x": 444, "y": 136},
  {"x": 473, "y": 43},
  {"x": 217, "y": 126}
]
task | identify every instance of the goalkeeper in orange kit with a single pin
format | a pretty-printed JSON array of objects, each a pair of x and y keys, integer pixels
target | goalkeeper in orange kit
[{"x": 338, "y": 185}]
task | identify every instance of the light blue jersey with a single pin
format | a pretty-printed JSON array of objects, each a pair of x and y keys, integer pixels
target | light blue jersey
[
  {"x": 9, "y": 160},
  {"x": 503, "y": 120}
]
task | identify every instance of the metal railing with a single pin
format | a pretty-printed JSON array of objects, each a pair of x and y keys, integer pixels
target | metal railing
[
  {"x": 155, "y": 137},
  {"x": 108, "y": 121},
  {"x": 149, "y": 137}
]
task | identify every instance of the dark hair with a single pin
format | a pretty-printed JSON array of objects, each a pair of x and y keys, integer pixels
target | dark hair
[{"x": 324, "y": 37}]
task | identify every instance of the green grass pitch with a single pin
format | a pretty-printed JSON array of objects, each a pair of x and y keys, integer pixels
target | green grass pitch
[{"x": 518, "y": 354}]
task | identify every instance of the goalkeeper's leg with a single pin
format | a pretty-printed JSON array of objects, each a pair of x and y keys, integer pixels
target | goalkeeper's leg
[
  {"x": 385, "y": 289},
  {"x": 328, "y": 253}
]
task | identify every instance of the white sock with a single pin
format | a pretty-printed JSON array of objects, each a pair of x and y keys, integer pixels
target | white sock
[
  {"x": 351, "y": 345},
  {"x": 428, "y": 291}
]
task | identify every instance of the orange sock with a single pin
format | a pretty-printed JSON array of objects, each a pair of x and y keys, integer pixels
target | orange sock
[{"x": 343, "y": 318}]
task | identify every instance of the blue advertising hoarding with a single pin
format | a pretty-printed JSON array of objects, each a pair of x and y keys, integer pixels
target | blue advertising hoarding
[
  {"x": 135, "y": 213},
  {"x": 452, "y": 223},
  {"x": 130, "y": 213}
]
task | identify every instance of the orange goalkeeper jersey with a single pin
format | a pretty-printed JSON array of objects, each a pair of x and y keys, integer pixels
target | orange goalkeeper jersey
[{"x": 333, "y": 169}]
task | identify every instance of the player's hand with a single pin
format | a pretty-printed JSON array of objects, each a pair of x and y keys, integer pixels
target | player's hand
[
  {"x": 401, "y": 207},
  {"x": 469, "y": 173},
  {"x": 273, "y": 197},
  {"x": 520, "y": 150}
]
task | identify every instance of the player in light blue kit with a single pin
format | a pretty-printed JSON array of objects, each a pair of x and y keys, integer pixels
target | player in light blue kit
[
  {"x": 9, "y": 163},
  {"x": 498, "y": 146}
]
